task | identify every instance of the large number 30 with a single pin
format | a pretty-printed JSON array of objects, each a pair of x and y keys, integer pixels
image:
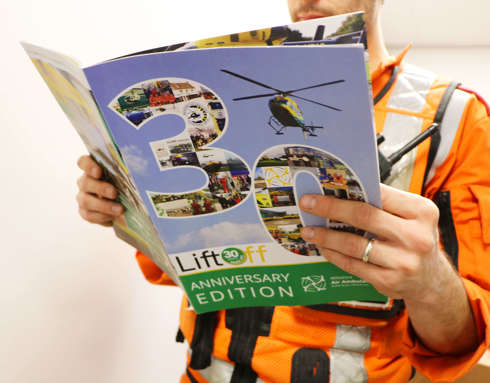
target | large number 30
[
  {"x": 228, "y": 176},
  {"x": 229, "y": 181}
]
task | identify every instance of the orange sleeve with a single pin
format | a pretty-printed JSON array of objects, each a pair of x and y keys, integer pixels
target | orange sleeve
[
  {"x": 445, "y": 368},
  {"x": 465, "y": 175},
  {"x": 151, "y": 271}
]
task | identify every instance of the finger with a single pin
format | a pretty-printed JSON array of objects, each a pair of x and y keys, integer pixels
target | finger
[
  {"x": 95, "y": 217},
  {"x": 348, "y": 244},
  {"x": 363, "y": 270},
  {"x": 89, "y": 166},
  {"x": 92, "y": 203},
  {"x": 383, "y": 280},
  {"x": 102, "y": 189},
  {"x": 361, "y": 215},
  {"x": 407, "y": 205}
]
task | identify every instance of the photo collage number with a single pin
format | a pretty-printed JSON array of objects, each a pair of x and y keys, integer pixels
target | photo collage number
[
  {"x": 205, "y": 120},
  {"x": 275, "y": 196}
]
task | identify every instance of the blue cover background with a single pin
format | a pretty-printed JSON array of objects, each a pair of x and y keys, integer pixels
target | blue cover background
[{"x": 348, "y": 134}]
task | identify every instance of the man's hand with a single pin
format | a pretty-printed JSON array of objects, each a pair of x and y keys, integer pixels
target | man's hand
[
  {"x": 405, "y": 261},
  {"x": 95, "y": 197}
]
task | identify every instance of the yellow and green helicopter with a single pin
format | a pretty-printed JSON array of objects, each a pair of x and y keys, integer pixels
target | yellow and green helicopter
[{"x": 285, "y": 112}]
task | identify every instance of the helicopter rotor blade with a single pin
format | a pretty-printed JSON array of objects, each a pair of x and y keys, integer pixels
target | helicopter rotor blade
[
  {"x": 250, "y": 80},
  {"x": 256, "y": 96},
  {"x": 314, "y": 86},
  {"x": 318, "y": 103}
]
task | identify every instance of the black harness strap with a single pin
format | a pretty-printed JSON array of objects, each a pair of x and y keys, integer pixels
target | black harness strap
[
  {"x": 441, "y": 110},
  {"x": 246, "y": 324},
  {"x": 435, "y": 140},
  {"x": 179, "y": 337},
  {"x": 191, "y": 377},
  {"x": 443, "y": 199},
  {"x": 310, "y": 365},
  {"x": 243, "y": 373},
  {"x": 446, "y": 226},
  {"x": 388, "y": 85},
  {"x": 414, "y": 371},
  {"x": 203, "y": 340}
]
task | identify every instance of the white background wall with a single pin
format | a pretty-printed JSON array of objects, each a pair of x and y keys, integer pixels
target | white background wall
[{"x": 73, "y": 305}]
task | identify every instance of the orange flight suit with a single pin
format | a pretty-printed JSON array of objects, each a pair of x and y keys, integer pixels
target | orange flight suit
[{"x": 367, "y": 342}]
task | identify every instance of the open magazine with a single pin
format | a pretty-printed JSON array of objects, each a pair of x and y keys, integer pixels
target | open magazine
[{"x": 212, "y": 143}]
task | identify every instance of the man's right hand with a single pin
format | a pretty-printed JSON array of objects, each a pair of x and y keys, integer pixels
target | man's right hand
[{"x": 95, "y": 197}]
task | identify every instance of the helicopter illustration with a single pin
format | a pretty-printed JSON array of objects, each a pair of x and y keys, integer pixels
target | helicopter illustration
[{"x": 285, "y": 112}]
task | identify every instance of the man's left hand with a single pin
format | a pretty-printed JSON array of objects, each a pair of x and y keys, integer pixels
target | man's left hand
[{"x": 405, "y": 260}]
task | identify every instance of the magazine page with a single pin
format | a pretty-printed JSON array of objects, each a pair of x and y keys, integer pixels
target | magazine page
[
  {"x": 223, "y": 142},
  {"x": 69, "y": 86},
  {"x": 348, "y": 28}
]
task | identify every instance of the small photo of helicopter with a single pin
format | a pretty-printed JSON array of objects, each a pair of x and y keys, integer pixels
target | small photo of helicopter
[{"x": 285, "y": 111}]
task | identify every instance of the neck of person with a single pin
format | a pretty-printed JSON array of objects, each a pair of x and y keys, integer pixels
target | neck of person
[{"x": 378, "y": 53}]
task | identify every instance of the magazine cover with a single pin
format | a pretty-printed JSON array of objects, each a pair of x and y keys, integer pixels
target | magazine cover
[
  {"x": 221, "y": 147},
  {"x": 211, "y": 149}
]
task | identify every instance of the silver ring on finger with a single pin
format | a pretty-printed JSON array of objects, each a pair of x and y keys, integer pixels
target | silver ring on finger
[{"x": 367, "y": 250}]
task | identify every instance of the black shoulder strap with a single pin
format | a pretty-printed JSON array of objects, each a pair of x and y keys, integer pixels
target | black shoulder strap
[
  {"x": 202, "y": 343},
  {"x": 448, "y": 93},
  {"x": 447, "y": 227},
  {"x": 435, "y": 140},
  {"x": 388, "y": 85},
  {"x": 246, "y": 324}
]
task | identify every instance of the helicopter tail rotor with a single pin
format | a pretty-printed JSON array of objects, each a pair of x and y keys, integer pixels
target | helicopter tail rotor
[{"x": 310, "y": 129}]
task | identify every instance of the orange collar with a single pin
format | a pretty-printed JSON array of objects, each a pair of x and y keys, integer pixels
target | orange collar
[{"x": 381, "y": 75}]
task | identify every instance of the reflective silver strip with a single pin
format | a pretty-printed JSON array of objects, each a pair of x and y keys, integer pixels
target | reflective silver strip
[
  {"x": 352, "y": 338},
  {"x": 347, "y": 367},
  {"x": 411, "y": 89},
  {"x": 449, "y": 128},
  {"x": 220, "y": 371},
  {"x": 347, "y": 355},
  {"x": 409, "y": 94},
  {"x": 400, "y": 129}
]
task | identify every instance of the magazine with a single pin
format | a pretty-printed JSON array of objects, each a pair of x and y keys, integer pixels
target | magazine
[{"x": 211, "y": 145}]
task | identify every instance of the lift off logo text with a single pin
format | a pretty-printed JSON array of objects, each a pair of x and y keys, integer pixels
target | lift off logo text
[{"x": 204, "y": 260}]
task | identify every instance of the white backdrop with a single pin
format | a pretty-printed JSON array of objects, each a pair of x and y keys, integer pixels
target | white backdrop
[{"x": 74, "y": 306}]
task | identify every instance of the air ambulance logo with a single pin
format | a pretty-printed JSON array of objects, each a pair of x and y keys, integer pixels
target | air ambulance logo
[{"x": 313, "y": 283}]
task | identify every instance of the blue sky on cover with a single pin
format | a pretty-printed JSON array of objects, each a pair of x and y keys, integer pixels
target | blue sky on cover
[{"x": 347, "y": 134}]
